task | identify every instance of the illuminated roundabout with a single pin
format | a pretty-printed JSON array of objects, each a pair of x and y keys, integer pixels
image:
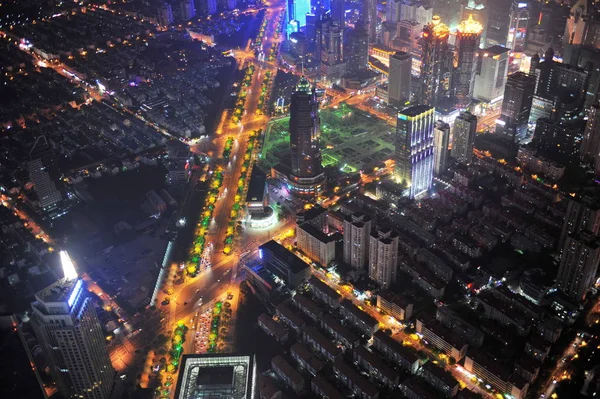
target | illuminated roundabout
[{"x": 266, "y": 221}]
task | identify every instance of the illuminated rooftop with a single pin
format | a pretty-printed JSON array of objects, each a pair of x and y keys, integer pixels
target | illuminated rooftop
[
  {"x": 303, "y": 85},
  {"x": 439, "y": 29},
  {"x": 470, "y": 26}
]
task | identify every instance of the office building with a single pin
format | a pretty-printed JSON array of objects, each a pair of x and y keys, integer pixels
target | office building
[
  {"x": 436, "y": 62},
  {"x": 357, "y": 230},
  {"x": 414, "y": 148},
  {"x": 257, "y": 197},
  {"x": 383, "y": 257},
  {"x": 68, "y": 330},
  {"x": 358, "y": 52},
  {"x": 518, "y": 24},
  {"x": 283, "y": 263},
  {"x": 399, "y": 79},
  {"x": 468, "y": 37},
  {"x": 516, "y": 106},
  {"x": 578, "y": 265},
  {"x": 331, "y": 50},
  {"x": 491, "y": 78},
  {"x": 441, "y": 141},
  {"x": 46, "y": 177},
  {"x": 465, "y": 129},
  {"x": 306, "y": 177}
]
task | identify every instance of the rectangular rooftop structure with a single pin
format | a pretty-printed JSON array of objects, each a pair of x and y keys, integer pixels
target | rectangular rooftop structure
[
  {"x": 287, "y": 373},
  {"x": 325, "y": 293},
  {"x": 375, "y": 366},
  {"x": 321, "y": 387},
  {"x": 361, "y": 387},
  {"x": 360, "y": 319}
]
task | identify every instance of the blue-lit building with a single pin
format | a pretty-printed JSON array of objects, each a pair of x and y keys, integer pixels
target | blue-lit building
[
  {"x": 296, "y": 11},
  {"x": 414, "y": 148}
]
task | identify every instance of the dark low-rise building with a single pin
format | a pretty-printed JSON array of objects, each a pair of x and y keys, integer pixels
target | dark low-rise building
[
  {"x": 375, "y": 366},
  {"x": 358, "y": 318},
  {"x": 440, "y": 379},
  {"x": 402, "y": 356},
  {"x": 283, "y": 263}
]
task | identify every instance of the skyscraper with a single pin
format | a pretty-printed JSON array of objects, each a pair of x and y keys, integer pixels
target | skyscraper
[
  {"x": 69, "y": 332},
  {"x": 307, "y": 175},
  {"x": 357, "y": 230},
  {"x": 331, "y": 48},
  {"x": 465, "y": 129},
  {"x": 491, "y": 79},
  {"x": 165, "y": 14},
  {"x": 383, "y": 256},
  {"x": 468, "y": 37},
  {"x": 516, "y": 105},
  {"x": 578, "y": 265},
  {"x": 46, "y": 176},
  {"x": 435, "y": 62},
  {"x": 414, "y": 148},
  {"x": 518, "y": 24},
  {"x": 296, "y": 11},
  {"x": 399, "y": 78},
  {"x": 358, "y": 52},
  {"x": 561, "y": 88},
  {"x": 441, "y": 140}
]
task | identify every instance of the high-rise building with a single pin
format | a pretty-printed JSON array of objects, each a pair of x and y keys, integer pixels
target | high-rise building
[
  {"x": 185, "y": 10},
  {"x": 414, "y": 148},
  {"x": 516, "y": 105},
  {"x": 331, "y": 48},
  {"x": 583, "y": 214},
  {"x": 311, "y": 29},
  {"x": 436, "y": 62},
  {"x": 518, "y": 24},
  {"x": 307, "y": 175},
  {"x": 417, "y": 10},
  {"x": 45, "y": 174},
  {"x": 358, "y": 52},
  {"x": 491, "y": 78},
  {"x": 383, "y": 256},
  {"x": 590, "y": 145},
  {"x": 480, "y": 12},
  {"x": 370, "y": 18},
  {"x": 70, "y": 335},
  {"x": 338, "y": 12},
  {"x": 441, "y": 141},
  {"x": 465, "y": 129},
  {"x": 468, "y": 37},
  {"x": 562, "y": 85},
  {"x": 357, "y": 230},
  {"x": 296, "y": 11},
  {"x": 578, "y": 265},
  {"x": 392, "y": 11},
  {"x": 399, "y": 78}
]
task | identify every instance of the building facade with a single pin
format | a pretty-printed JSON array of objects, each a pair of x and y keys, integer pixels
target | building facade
[
  {"x": 383, "y": 257},
  {"x": 578, "y": 265},
  {"x": 465, "y": 129},
  {"x": 357, "y": 230},
  {"x": 399, "y": 78},
  {"x": 467, "y": 46},
  {"x": 516, "y": 106},
  {"x": 414, "y": 148},
  {"x": 306, "y": 175}
]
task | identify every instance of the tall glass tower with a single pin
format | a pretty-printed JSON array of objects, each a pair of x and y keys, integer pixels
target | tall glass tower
[
  {"x": 306, "y": 175},
  {"x": 436, "y": 62},
  {"x": 414, "y": 148},
  {"x": 69, "y": 332},
  {"x": 467, "y": 46}
]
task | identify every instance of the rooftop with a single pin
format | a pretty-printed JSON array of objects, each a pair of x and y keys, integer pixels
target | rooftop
[
  {"x": 58, "y": 291},
  {"x": 356, "y": 379},
  {"x": 362, "y": 316},
  {"x": 306, "y": 355},
  {"x": 295, "y": 264},
  {"x": 396, "y": 346},
  {"x": 206, "y": 372},
  {"x": 256, "y": 188},
  {"x": 415, "y": 110},
  {"x": 470, "y": 26},
  {"x": 324, "y": 288},
  {"x": 287, "y": 369},
  {"x": 326, "y": 388},
  {"x": 376, "y": 362}
]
